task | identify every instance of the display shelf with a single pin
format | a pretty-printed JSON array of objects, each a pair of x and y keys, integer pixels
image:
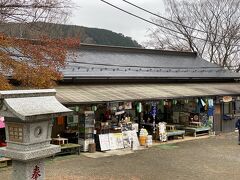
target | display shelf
[{"x": 86, "y": 129}]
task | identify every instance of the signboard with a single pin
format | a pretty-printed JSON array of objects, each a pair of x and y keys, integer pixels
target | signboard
[
  {"x": 119, "y": 140},
  {"x": 130, "y": 137},
  {"x": 104, "y": 142},
  {"x": 116, "y": 141}
]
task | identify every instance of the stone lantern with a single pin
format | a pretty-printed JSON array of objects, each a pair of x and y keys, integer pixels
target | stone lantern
[{"x": 28, "y": 121}]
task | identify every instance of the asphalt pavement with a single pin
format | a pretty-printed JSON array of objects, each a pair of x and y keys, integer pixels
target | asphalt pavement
[{"x": 216, "y": 157}]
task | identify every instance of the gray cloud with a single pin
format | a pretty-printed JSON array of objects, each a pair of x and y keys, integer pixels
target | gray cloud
[{"x": 94, "y": 13}]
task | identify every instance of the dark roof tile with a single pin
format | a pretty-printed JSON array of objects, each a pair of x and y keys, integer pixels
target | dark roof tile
[{"x": 119, "y": 62}]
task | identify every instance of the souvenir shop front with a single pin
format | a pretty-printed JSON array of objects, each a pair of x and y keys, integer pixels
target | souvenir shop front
[{"x": 116, "y": 124}]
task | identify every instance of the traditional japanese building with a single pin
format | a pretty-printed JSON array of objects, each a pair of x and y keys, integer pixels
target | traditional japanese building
[{"x": 181, "y": 84}]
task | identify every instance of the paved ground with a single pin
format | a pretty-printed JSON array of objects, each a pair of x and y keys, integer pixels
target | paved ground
[{"x": 216, "y": 157}]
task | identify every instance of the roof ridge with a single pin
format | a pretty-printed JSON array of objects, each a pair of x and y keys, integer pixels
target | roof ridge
[{"x": 135, "y": 49}]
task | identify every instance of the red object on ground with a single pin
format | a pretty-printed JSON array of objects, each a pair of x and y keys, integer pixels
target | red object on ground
[{"x": 2, "y": 144}]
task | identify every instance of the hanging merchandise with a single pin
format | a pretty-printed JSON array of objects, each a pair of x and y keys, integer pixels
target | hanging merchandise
[
  {"x": 196, "y": 100},
  {"x": 154, "y": 110},
  {"x": 139, "y": 107},
  {"x": 206, "y": 101},
  {"x": 113, "y": 106},
  {"x": 210, "y": 107},
  {"x": 210, "y": 102},
  {"x": 165, "y": 102},
  {"x": 127, "y": 105},
  {"x": 53, "y": 120},
  {"x": 198, "y": 106},
  {"x": 174, "y": 101},
  {"x": 227, "y": 98},
  {"x": 94, "y": 108},
  {"x": 169, "y": 104},
  {"x": 202, "y": 102},
  {"x": 60, "y": 120},
  {"x": 210, "y": 121},
  {"x": 161, "y": 106},
  {"x": 204, "y": 119}
]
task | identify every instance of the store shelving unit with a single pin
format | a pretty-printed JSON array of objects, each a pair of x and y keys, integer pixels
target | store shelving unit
[{"x": 86, "y": 129}]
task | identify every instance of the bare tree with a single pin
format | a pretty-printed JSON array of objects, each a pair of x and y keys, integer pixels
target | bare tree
[
  {"x": 33, "y": 63},
  {"x": 209, "y": 27},
  {"x": 34, "y": 10}
]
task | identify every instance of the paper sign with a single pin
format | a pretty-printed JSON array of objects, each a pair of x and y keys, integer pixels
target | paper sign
[
  {"x": 116, "y": 141},
  {"x": 104, "y": 142}
]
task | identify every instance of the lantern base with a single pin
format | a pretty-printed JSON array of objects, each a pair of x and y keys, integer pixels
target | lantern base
[
  {"x": 28, "y": 170},
  {"x": 30, "y": 155}
]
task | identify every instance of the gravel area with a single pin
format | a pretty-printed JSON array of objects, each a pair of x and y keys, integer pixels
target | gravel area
[{"x": 217, "y": 157}]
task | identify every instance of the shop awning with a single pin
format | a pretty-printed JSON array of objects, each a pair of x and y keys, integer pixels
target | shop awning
[{"x": 130, "y": 92}]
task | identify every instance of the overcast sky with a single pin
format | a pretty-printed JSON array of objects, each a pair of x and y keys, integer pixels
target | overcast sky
[{"x": 94, "y": 13}]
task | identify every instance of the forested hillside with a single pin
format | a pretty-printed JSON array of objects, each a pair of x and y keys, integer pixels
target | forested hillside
[{"x": 86, "y": 35}]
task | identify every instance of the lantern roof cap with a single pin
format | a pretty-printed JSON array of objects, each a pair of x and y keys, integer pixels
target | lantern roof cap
[{"x": 31, "y": 105}]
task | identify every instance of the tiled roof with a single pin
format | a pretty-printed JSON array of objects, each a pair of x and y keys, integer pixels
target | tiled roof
[{"x": 93, "y": 61}]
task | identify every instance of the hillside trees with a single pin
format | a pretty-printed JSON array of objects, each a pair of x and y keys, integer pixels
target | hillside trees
[
  {"x": 32, "y": 63},
  {"x": 209, "y": 27},
  {"x": 53, "y": 30}
]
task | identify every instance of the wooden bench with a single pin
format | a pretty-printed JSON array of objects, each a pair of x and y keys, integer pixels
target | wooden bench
[
  {"x": 70, "y": 148},
  {"x": 170, "y": 127},
  {"x": 4, "y": 162},
  {"x": 176, "y": 133},
  {"x": 199, "y": 131}
]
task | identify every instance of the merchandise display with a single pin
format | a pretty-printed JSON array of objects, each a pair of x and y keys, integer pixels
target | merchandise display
[
  {"x": 119, "y": 125},
  {"x": 86, "y": 129}
]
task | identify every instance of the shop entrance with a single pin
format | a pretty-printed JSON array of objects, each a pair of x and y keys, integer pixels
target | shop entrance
[{"x": 115, "y": 125}]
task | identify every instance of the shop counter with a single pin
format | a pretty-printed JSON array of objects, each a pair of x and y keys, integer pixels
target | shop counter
[{"x": 197, "y": 131}]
